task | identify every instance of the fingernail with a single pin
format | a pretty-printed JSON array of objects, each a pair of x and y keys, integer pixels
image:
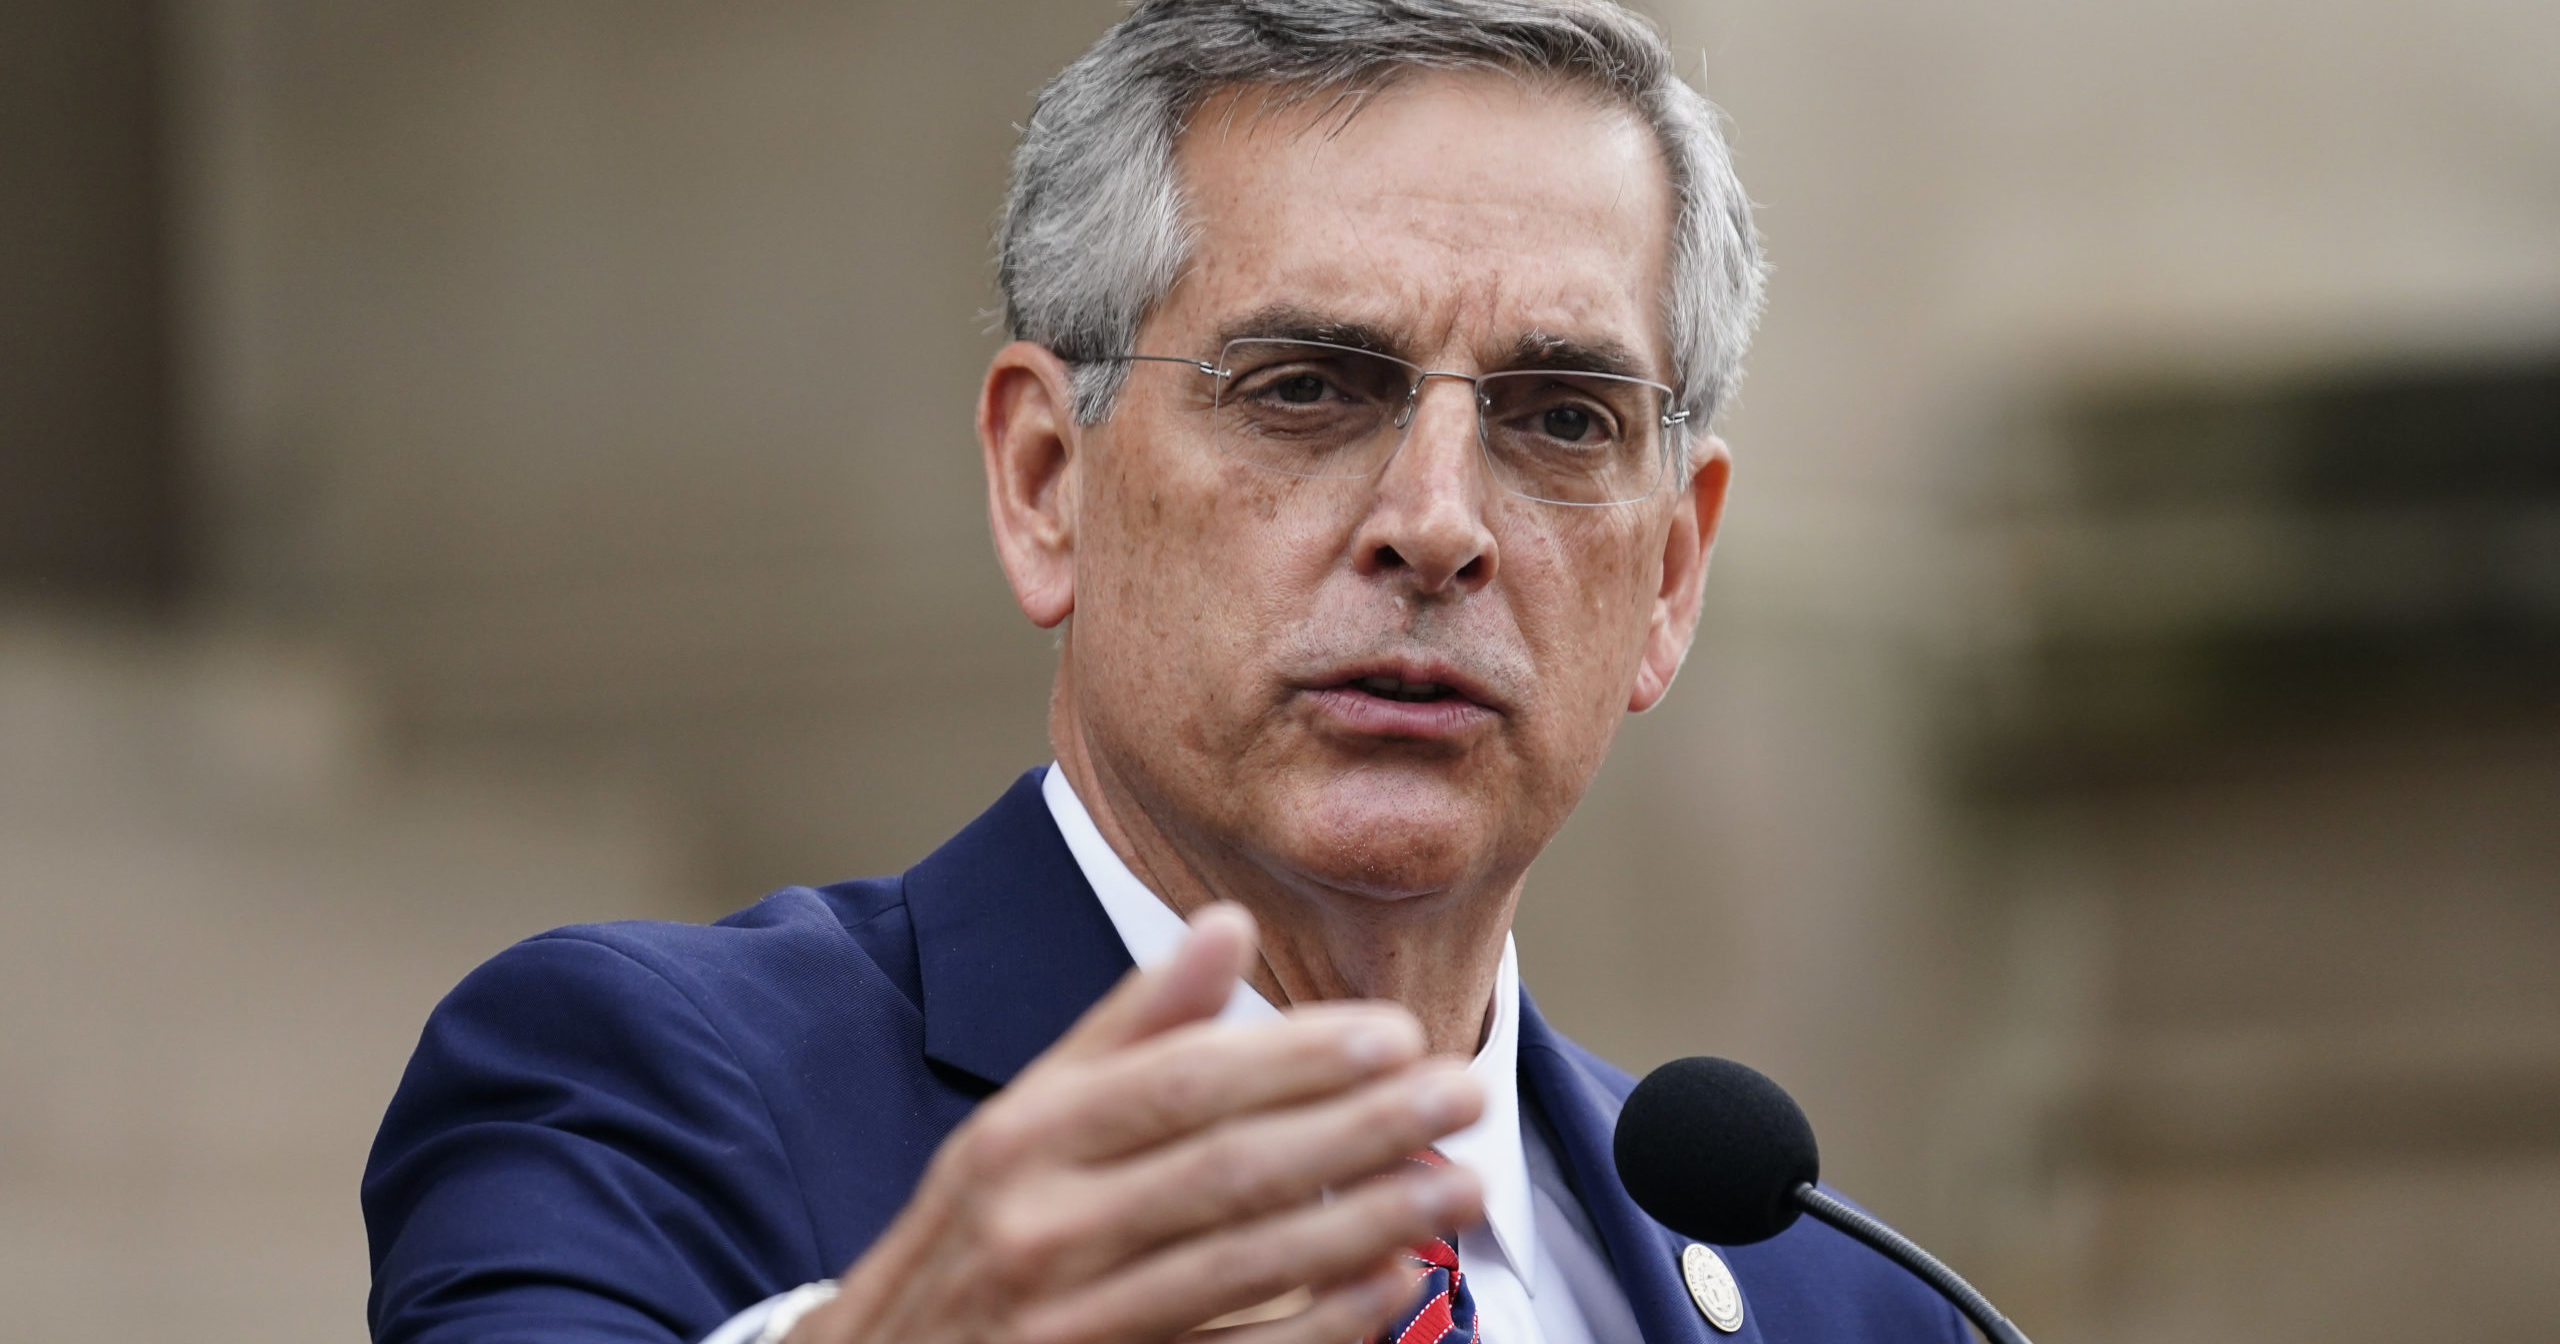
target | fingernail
[
  {"x": 1375, "y": 1045},
  {"x": 1222, "y": 912},
  {"x": 1447, "y": 1100},
  {"x": 1439, "y": 1195}
]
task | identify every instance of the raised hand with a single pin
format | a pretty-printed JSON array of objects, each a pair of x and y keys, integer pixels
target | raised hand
[{"x": 1156, "y": 1170}]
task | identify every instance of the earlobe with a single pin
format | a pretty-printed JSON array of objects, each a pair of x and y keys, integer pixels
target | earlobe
[
  {"x": 1029, "y": 438},
  {"x": 1696, "y": 518}
]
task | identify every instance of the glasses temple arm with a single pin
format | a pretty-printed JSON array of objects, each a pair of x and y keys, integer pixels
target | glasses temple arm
[{"x": 1201, "y": 364}]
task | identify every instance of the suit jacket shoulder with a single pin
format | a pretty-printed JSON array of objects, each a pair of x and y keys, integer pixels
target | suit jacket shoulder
[
  {"x": 632, "y": 1131},
  {"x": 603, "y": 1133}
]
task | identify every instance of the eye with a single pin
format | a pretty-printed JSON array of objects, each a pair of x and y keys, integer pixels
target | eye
[
  {"x": 1561, "y": 413},
  {"x": 1303, "y": 385},
  {"x": 1299, "y": 389}
]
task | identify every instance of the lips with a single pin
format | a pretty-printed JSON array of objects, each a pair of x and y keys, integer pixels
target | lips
[
  {"x": 1422, "y": 700},
  {"x": 1409, "y": 679}
]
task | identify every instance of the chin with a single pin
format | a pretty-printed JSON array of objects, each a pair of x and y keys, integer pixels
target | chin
[{"x": 1389, "y": 841}]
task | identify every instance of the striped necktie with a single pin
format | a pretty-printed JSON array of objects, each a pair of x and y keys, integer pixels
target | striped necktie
[{"x": 1446, "y": 1311}]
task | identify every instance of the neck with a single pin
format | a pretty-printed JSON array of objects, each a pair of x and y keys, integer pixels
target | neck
[{"x": 1437, "y": 954}]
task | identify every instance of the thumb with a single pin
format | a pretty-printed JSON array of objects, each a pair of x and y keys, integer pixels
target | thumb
[{"x": 1190, "y": 987}]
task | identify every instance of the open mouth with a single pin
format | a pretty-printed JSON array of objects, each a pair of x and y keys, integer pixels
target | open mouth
[
  {"x": 1417, "y": 701},
  {"x": 1410, "y": 692}
]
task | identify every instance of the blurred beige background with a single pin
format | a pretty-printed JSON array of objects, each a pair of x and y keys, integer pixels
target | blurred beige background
[{"x": 466, "y": 468}]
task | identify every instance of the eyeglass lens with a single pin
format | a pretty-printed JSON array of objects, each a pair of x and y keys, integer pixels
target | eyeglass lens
[{"x": 1309, "y": 409}]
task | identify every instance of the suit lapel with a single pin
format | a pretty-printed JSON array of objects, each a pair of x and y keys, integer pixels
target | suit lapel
[
  {"x": 1011, "y": 944},
  {"x": 1582, "y": 1112}
]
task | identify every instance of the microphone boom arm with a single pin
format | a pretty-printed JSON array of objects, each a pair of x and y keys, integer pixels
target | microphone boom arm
[{"x": 1903, "y": 1251}]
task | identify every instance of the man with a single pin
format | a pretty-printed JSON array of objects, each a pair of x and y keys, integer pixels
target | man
[{"x": 1354, "y": 439}]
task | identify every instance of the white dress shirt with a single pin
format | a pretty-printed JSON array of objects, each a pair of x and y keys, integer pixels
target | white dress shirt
[{"x": 1534, "y": 1264}]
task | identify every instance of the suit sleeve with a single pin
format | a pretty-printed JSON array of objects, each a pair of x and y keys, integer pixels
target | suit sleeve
[{"x": 576, "y": 1155}]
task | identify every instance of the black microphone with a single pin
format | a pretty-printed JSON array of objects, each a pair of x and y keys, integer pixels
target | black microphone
[{"x": 1714, "y": 1150}]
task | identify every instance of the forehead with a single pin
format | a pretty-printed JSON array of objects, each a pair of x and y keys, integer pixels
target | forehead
[{"x": 1464, "y": 214}]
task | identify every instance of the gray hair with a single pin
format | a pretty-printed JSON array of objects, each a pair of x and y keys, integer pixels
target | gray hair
[{"x": 1094, "y": 231}]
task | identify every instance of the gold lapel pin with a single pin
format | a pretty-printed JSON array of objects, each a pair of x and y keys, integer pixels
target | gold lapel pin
[{"x": 1711, "y": 1286}]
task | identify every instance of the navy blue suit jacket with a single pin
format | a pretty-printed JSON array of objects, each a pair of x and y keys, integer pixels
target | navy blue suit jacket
[{"x": 634, "y": 1131}]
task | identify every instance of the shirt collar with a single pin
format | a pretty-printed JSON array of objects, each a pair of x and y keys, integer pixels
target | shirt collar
[{"x": 1490, "y": 1147}]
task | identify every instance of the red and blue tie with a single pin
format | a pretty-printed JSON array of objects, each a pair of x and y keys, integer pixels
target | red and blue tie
[{"x": 1446, "y": 1311}]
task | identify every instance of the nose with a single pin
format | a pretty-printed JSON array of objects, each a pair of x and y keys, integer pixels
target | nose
[{"x": 1425, "y": 528}]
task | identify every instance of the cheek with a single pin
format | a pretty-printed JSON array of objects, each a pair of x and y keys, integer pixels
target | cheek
[
  {"x": 1195, "y": 560},
  {"x": 1598, "y": 600}
]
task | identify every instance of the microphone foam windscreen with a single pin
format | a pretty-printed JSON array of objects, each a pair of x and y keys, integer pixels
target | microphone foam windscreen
[{"x": 1714, "y": 1150}]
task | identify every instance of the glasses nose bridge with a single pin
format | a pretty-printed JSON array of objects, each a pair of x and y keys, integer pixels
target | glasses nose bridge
[{"x": 1413, "y": 394}]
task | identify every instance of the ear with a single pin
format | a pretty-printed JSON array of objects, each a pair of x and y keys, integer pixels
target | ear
[
  {"x": 1694, "y": 520},
  {"x": 1028, "y": 433}
]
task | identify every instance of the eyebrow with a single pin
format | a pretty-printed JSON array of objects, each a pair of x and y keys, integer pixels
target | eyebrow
[
  {"x": 1536, "y": 350},
  {"x": 1293, "y": 322}
]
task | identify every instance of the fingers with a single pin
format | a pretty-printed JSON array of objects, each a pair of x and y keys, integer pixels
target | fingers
[
  {"x": 1342, "y": 1240},
  {"x": 1193, "y": 1076},
  {"x": 1191, "y": 987},
  {"x": 1251, "y": 1166},
  {"x": 1155, "y": 1169},
  {"x": 1063, "y": 1220}
]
